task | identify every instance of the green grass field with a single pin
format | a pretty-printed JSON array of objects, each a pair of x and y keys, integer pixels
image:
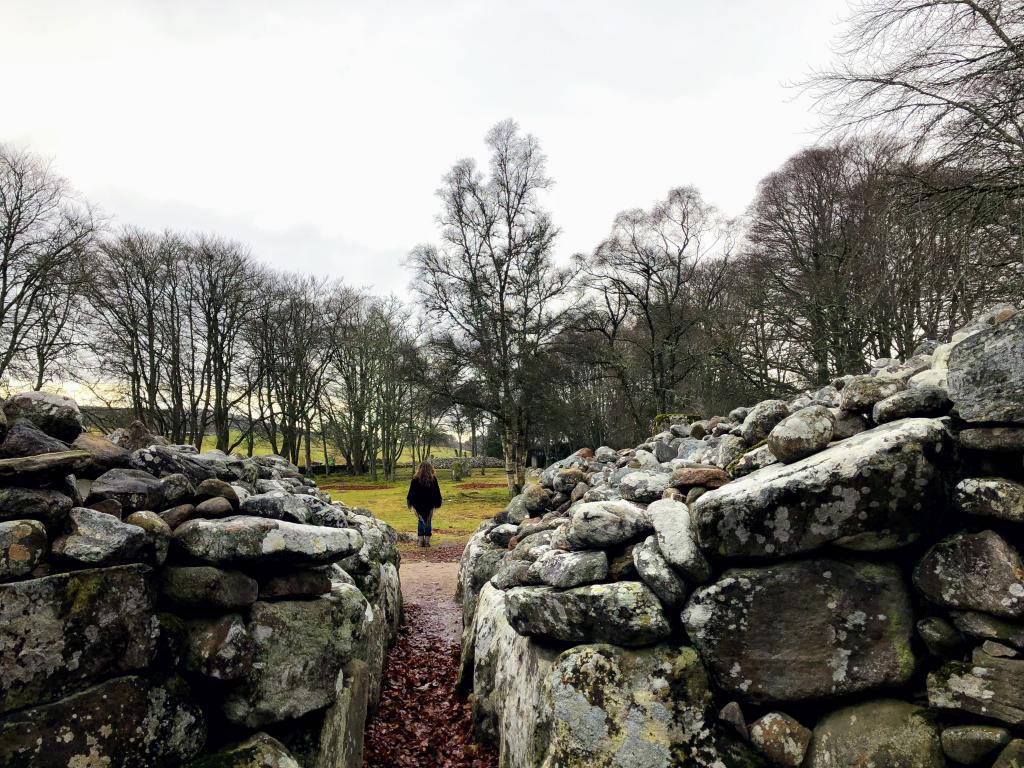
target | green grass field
[{"x": 466, "y": 503}]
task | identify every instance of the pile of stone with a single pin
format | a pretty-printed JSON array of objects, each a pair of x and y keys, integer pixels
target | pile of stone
[
  {"x": 468, "y": 462},
  {"x": 165, "y": 607},
  {"x": 834, "y": 580}
]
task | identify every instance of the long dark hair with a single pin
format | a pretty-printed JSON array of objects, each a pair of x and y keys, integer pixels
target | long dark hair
[{"x": 425, "y": 473}]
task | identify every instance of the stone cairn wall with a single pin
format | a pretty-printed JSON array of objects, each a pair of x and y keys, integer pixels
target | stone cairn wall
[
  {"x": 163, "y": 607},
  {"x": 831, "y": 582}
]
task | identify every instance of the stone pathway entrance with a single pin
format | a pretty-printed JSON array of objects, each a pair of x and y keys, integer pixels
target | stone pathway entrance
[{"x": 421, "y": 722}]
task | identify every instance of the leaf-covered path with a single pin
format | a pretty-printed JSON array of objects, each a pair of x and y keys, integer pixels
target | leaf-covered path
[{"x": 421, "y": 722}]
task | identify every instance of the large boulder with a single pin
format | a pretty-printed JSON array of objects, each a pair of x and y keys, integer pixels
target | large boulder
[
  {"x": 276, "y": 505},
  {"x": 96, "y": 539},
  {"x": 49, "y": 507},
  {"x": 644, "y": 485},
  {"x": 988, "y": 686},
  {"x": 854, "y": 494},
  {"x": 971, "y": 744},
  {"x": 807, "y": 431},
  {"x": 986, "y": 374},
  {"x": 880, "y": 733},
  {"x": 990, "y": 497},
  {"x": 239, "y": 540},
  {"x": 127, "y": 721},
  {"x": 61, "y": 633},
  {"x": 570, "y": 569},
  {"x": 23, "y": 545},
  {"x": 761, "y": 419},
  {"x": 105, "y": 454},
  {"x": 655, "y": 571},
  {"x": 600, "y": 524},
  {"x": 25, "y": 439},
  {"x": 134, "y": 489},
  {"x": 916, "y": 401},
  {"x": 863, "y": 392},
  {"x": 56, "y": 415},
  {"x": 608, "y": 707},
  {"x": 258, "y": 751},
  {"x": 299, "y": 648},
  {"x": 677, "y": 541},
  {"x": 624, "y": 613},
  {"x": 163, "y": 460},
  {"x": 804, "y": 630},
  {"x": 973, "y": 572},
  {"x": 204, "y": 587}
]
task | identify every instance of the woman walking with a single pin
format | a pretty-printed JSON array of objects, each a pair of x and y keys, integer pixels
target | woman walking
[{"x": 423, "y": 498}]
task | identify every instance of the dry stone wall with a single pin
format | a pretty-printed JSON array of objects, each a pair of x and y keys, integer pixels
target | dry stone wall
[
  {"x": 164, "y": 607},
  {"x": 832, "y": 581}
]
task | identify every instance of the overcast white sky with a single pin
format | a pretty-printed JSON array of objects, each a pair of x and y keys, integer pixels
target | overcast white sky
[{"x": 318, "y": 131}]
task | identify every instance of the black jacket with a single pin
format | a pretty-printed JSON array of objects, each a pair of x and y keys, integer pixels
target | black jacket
[{"x": 423, "y": 498}]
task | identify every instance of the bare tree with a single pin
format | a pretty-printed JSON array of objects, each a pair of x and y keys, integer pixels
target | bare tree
[
  {"x": 948, "y": 74},
  {"x": 44, "y": 234},
  {"x": 492, "y": 288}
]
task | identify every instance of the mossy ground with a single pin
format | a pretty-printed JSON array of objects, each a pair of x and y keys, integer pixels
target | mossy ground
[{"x": 466, "y": 504}]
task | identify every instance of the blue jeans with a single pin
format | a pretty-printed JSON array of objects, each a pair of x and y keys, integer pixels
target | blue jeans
[{"x": 423, "y": 526}]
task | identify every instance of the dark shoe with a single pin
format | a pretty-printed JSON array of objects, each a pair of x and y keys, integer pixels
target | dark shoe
[{"x": 426, "y": 541}]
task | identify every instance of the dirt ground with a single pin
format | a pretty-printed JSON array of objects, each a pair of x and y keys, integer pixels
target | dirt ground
[{"x": 421, "y": 722}]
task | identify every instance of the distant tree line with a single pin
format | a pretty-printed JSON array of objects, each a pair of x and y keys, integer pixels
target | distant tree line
[{"x": 899, "y": 227}]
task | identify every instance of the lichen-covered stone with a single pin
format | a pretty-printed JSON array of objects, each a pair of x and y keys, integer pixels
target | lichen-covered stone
[
  {"x": 986, "y": 627},
  {"x": 158, "y": 534},
  {"x": 23, "y": 439},
  {"x": 305, "y": 582},
  {"x": 916, "y": 401},
  {"x": 993, "y": 439},
  {"x": 23, "y": 545},
  {"x": 299, "y": 648},
  {"x": 990, "y": 497},
  {"x": 204, "y": 587},
  {"x": 673, "y": 526},
  {"x": 887, "y": 733},
  {"x": 62, "y": 633},
  {"x": 989, "y": 686},
  {"x": 877, "y": 490},
  {"x": 972, "y": 744},
  {"x": 781, "y": 739},
  {"x": 608, "y": 707},
  {"x": 128, "y": 721},
  {"x": 104, "y": 455},
  {"x": 644, "y": 485},
  {"x": 986, "y": 373},
  {"x": 218, "y": 648},
  {"x": 258, "y": 751},
  {"x": 655, "y": 571},
  {"x": 701, "y": 476},
  {"x": 235, "y": 540},
  {"x": 480, "y": 561},
  {"x": 163, "y": 460},
  {"x": 49, "y": 507},
  {"x": 1012, "y": 755},
  {"x": 97, "y": 539},
  {"x": 761, "y": 419},
  {"x": 863, "y": 392},
  {"x": 27, "y": 470},
  {"x": 804, "y": 630},
  {"x": 135, "y": 489},
  {"x": 276, "y": 505},
  {"x": 599, "y": 524},
  {"x": 941, "y": 638},
  {"x": 570, "y": 569},
  {"x": 56, "y": 415},
  {"x": 974, "y": 572},
  {"x": 807, "y": 431},
  {"x": 624, "y": 613}
]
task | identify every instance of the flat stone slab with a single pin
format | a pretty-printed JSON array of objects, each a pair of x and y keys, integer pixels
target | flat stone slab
[
  {"x": 804, "y": 630},
  {"x": 59, "y": 463},
  {"x": 240, "y": 540},
  {"x": 876, "y": 490},
  {"x": 624, "y": 613},
  {"x": 61, "y": 633},
  {"x": 989, "y": 686},
  {"x": 127, "y": 721}
]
